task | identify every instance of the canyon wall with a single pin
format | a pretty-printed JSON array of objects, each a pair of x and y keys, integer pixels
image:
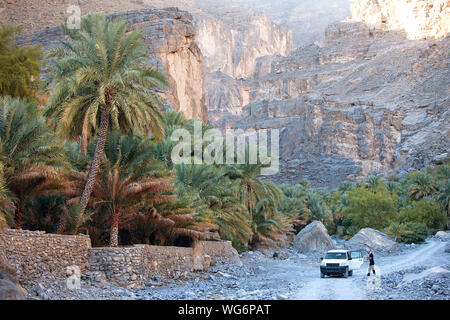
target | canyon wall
[
  {"x": 231, "y": 40},
  {"x": 368, "y": 101},
  {"x": 418, "y": 18},
  {"x": 307, "y": 19}
]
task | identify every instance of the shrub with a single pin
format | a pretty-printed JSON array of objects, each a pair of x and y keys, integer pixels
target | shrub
[
  {"x": 424, "y": 211},
  {"x": 19, "y": 66},
  {"x": 351, "y": 231},
  {"x": 413, "y": 233},
  {"x": 374, "y": 208}
]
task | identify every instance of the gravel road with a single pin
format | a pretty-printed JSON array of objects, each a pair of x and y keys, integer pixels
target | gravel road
[
  {"x": 294, "y": 276},
  {"x": 360, "y": 286}
]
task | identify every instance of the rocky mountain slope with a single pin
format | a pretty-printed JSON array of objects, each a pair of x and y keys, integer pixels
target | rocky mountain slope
[
  {"x": 419, "y": 19},
  {"x": 210, "y": 39},
  {"x": 369, "y": 101},
  {"x": 231, "y": 40},
  {"x": 372, "y": 97},
  {"x": 307, "y": 19}
]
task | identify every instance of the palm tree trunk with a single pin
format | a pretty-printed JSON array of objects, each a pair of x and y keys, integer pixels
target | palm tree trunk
[
  {"x": 18, "y": 215},
  {"x": 99, "y": 148},
  {"x": 61, "y": 225},
  {"x": 83, "y": 144},
  {"x": 114, "y": 233}
]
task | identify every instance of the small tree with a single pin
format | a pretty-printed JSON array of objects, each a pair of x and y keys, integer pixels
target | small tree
[
  {"x": 19, "y": 66},
  {"x": 413, "y": 233},
  {"x": 397, "y": 230},
  {"x": 424, "y": 211},
  {"x": 366, "y": 208}
]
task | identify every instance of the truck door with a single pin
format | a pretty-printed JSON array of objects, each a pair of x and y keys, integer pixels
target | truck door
[{"x": 357, "y": 259}]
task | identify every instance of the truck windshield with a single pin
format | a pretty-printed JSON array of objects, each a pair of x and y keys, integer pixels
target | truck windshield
[{"x": 336, "y": 255}]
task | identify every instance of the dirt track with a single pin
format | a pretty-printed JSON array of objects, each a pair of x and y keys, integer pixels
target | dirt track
[
  {"x": 295, "y": 277},
  {"x": 360, "y": 286}
]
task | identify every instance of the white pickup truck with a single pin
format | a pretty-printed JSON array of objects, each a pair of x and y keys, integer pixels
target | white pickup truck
[{"x": 340, "y": 262}]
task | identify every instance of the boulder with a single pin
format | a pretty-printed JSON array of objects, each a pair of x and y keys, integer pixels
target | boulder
[
  {"x": 314, "y": 237},
  {"x": 9, "y": 291},
  {"x": 442, "y": 236},
  {"x": 8, "y": 276},
  {"x": 374, "y": 239}
]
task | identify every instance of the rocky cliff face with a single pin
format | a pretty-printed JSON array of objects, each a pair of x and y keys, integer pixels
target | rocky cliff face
[
  {"x": 232, "y": 39},
  {"x": 367, "y": 101},
  {"x": 170, "y": 37},
  {"x": 307, "y": 19},
  {"x": 418, "y": 18}
]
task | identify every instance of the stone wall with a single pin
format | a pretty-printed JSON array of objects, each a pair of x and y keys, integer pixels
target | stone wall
[
  {"x": 124, "y": 266},
  {"x": 219, "y": 251},
  {"x": 36, "y": 255},
  {"x": 168, "y": 262},
  {"x": 133, "y": 266}
]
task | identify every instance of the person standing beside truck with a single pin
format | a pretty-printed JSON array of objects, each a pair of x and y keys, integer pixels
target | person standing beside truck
[{"x": 371, "y": 262}]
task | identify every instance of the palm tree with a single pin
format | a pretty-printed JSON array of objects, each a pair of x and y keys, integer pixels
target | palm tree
[
  {"x": 294, "y": 204},
  {"x": 100, "y": 81},
  {"x": 421, "y": 187},
  {"x": 6, "y": 201},
  {"x": 266, "y": 223},
  {"x": 128, "y": 177},
  {"x": 345, "y": 186},
  {"x": 317, "y": 208},
  {"x": 212, "y": 196},
  {"x": 443, "y": 196},
  {"x": 397, "y": 230},
  {"x": 373, "y": 182},
  {"x": 393, "y": 187},
  {"x": 250, "y": 189},
  {"x": 30, "y": 152}
]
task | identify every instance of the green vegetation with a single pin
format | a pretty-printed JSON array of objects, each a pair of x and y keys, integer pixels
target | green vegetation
[
  {"x": 413, "y": 232},
  {"x": 100, "y": 82},
  {"x": 30, "y": 153},
  {"x": 98, "y": 158},
  {"x": 370, "y": 206},
  {"x": 405, "y": 208},
  {"x": 19, "y": 66}
]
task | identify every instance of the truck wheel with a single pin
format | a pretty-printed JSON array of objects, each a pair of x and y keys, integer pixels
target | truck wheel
[
  {"x": 350, "y": 273},
  {"x": 346, "y": 273},
  {"x": 322, "y": 275}
]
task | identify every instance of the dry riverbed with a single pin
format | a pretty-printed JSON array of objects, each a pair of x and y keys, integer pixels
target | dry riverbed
[{"x": 414, "y": 272}]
